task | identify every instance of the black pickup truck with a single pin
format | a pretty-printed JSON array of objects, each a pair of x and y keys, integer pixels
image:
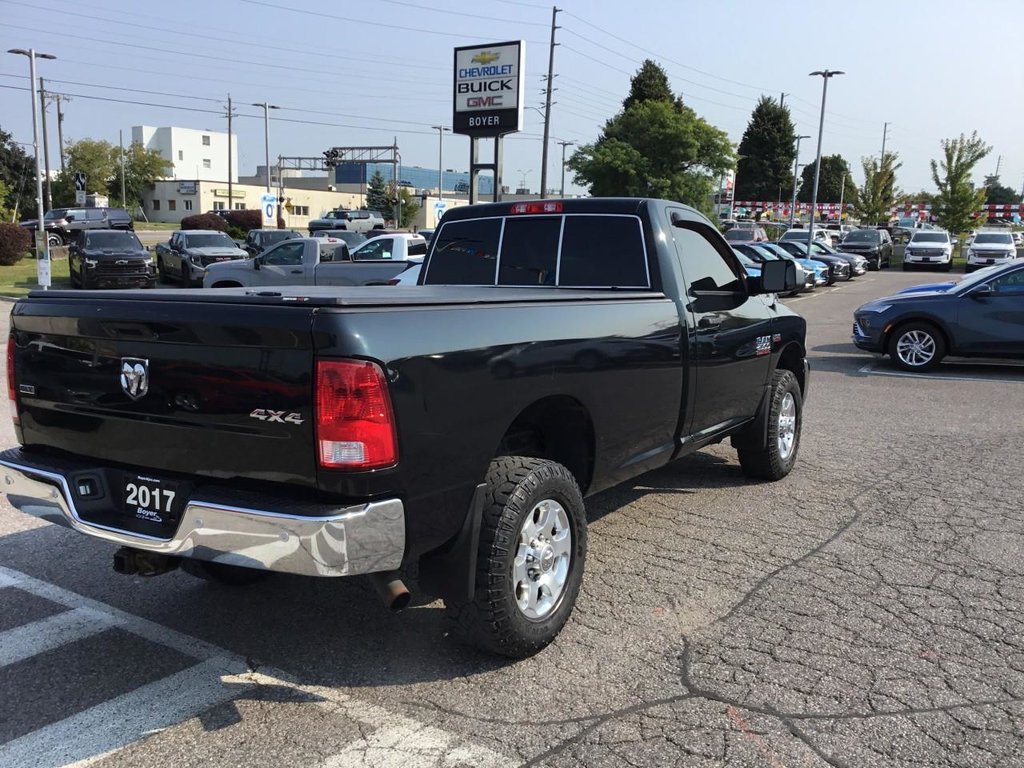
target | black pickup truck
[{"x": 443, "y": 434}]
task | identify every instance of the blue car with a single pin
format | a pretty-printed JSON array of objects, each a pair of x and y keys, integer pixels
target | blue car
[
  {"x": 940, "y": 287},
  {"x": 751, "y": 267},
  {"x": 819, "y": 270}
]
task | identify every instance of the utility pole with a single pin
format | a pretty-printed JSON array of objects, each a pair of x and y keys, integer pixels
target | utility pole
[
  {"x": 782, "y": 100},
  {"x": 885, "y": 132},
  {"x": 266, "y": 134},
  {"x": 547, "y": 104},
  {"x": 824, "y": 74},
  {"x": 230, "y": 174},
  {"x": 60, "y": 129},
  {"x": 120, "y": 144},
  {"x": 842, "y": 195},
  {"x": 564, "y": 145},
  {"x": 440, "y": 158},
  {"x": 796, "y": 170},
  {"x": 999, "y": 161},
  {"x": 46, "y": 144}
]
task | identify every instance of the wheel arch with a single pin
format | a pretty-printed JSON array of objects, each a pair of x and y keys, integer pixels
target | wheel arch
[
  {"x": 226, "y": 284},
  {"x": 791, "y": 358},
  {"x": 558, "y": 428}
]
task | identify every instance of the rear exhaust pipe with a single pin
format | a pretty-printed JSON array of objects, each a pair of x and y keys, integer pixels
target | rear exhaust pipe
[
  {"x": 136, "y": 562},
  {"x": 392, "y": 590}
]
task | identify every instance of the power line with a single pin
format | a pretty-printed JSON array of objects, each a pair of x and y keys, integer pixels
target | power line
[{"x": 420, "y": 7}]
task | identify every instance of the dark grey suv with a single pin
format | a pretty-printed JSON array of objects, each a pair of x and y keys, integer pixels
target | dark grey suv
[
  {"x": 875, "y": 245},
  {"x": 62, "y": 225}
]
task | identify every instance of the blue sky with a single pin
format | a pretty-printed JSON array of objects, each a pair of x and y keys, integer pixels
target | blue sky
[{"x": 376, "y": 70}]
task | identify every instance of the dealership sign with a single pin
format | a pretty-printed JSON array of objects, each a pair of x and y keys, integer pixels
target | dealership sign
[{"x": 489, "y": 80}]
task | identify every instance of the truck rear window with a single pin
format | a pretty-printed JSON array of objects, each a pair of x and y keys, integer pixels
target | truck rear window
[{"x": 574, "y": 250}]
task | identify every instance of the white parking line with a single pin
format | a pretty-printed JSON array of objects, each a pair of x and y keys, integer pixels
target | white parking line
[
  {"x": 872, "y": 369},
  {"x": 393, "y": 740},
  {"x": 52, "y": 632}
]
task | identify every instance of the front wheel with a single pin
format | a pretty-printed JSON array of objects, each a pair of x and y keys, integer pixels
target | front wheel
[
  {"x": 53, "y": 240},
  {"x": 785, "y": 416},
  {"x": 161, "y": 272},
  {"x": 917, "y": 347},
  {"x": 533, "y": 544}
]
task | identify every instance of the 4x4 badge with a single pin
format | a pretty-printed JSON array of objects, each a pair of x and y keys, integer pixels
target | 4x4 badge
[{"x": 134, "y": 377}]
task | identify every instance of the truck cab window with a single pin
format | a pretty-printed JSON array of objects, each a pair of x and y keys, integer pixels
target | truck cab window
[
  {"x": 603, "y": 251},
  {"x": 465, "y": 253},
  {"x": 287, "y": 255},
  {"x": 704, "y": 268},
  {"x": 379, "y": 249},
  {"x": 529, "y": 251}
]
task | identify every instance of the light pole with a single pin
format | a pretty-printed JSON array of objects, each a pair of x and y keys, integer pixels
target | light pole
[
  {"x": 824, "y": 74},
  {"x": 735, "y": 178},
  {"x": 266, "y": 136},
  {"x": 796, "y": 169},
  {"x": 564, "y": 145},
  {"x": 440, "y": 158},
  {"x": 42, "y": 246},
  {"x": 842, "y": 197},
  {"x": 522, "y": 177}
]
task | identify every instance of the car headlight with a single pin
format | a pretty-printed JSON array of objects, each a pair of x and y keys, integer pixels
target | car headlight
[
  {"x": 91, "y": 263},
  {"x": 875, "y": 308}
]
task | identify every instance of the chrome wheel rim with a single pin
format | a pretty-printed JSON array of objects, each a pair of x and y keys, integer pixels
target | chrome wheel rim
[
  {"x": 915, "y": 348},
  {"x": 787, "y": 426},
  {"x": 540, "y": 569}
]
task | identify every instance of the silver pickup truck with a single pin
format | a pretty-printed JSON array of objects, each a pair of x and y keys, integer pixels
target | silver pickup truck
[{"x": 303, "y": 261}]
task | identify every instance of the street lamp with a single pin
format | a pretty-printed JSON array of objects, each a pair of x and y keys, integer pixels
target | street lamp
[
  {"x": 824, "y": 74},
  {"x": 440, "y": 158},
  {"x": 564, "y": 145},
  {"x": 522, "y": 177},
  {"x": 42, "y": 246},
  {"x": 266, "y": 135},
  {"x": 796, "y": 169}
]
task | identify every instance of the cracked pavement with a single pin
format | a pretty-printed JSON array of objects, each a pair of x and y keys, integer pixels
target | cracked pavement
[{"x": 866, "y": 611}]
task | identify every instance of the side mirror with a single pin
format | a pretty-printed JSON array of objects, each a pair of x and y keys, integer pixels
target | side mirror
[
  {"x": 69, "y": 217},
  {"x": 981, "y": 291},
  {"x": 776, "y": 277}
]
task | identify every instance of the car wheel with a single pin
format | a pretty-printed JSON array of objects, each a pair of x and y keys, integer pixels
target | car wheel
[
  {"x": 75, "y": 281},
  {"x": 220, "y": 573},
  {"x": 161, "y": 272},
  {"x": 785, "y": 417},
  {"x": 53, "y": 240},
  {"x": 186, "y": 274},
  {"x": 917, "y": 347},
  {"x": 533, "y": 544}
]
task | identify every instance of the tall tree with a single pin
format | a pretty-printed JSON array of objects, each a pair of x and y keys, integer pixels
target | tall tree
[
  {"x": 655, "y": 147},
  {"x": 141, "y": 168},
  {"x": 650, "y": 83},
  {"x": 377, "y": 193},
  {"x": 830, "y": 181},
  {"x": 767, "y": 151},
  {"x": 410, "y": 207},
  {"x": 17, "y": 172},
  {"x": 873, "y": 201},
  {"x": 957, "y": 199},
  {"x": 997, "y": 194}
]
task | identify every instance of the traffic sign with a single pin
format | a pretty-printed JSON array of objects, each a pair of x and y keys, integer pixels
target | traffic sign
[
  {"x": 268, "y": 205},
  {"x": 80, "y": 178},
  {"x": 79, "y": 197}
]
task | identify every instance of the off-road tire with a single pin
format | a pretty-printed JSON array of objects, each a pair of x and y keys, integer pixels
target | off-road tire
[
  {"x": 492, "y": 620},
  {"x": 769, "y": 463}
]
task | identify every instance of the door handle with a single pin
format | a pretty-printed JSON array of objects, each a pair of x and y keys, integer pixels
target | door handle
[{"x": 296, "y": 271}]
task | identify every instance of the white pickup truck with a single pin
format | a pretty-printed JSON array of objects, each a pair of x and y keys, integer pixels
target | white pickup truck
[
  {"x": 401, "y": 246},
  {"x": 353, "y": 221},
  {"x": 304, "y": 261}
]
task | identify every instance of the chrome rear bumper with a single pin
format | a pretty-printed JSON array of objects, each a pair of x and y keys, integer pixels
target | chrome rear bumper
[{"x": 342, "y": 541}]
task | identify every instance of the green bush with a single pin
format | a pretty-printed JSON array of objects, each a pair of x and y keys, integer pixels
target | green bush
[
  {"x": 15, "y": 243},
  {"x": 204, "y": 221}
]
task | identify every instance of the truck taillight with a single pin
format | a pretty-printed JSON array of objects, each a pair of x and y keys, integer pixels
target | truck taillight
[
  {"x": 12, "y": 389},
  {"x": 551, "y": 206},
  {"x": 355, "y": 425}
]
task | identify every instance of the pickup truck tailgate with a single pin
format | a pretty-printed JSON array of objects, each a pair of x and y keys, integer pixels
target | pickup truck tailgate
[{"x": 183, "y": 386}]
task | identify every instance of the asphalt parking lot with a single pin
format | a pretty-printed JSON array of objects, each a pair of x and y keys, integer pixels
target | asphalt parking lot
[{"x": 866, "y": 611}]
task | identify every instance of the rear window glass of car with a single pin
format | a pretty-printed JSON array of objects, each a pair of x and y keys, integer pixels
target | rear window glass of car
[
  {"x": 465, "y": 253},
  {"x": 112, "y": 240},
  {"x": 418, "y": 249},
  {"x": 794, "y": 234},
  {"x": 994, "y": 238},
  {"x": 212, "y": 240},
  {"x": 930, "y": 237},
  {"x": 739, "y": 235},
  {"x": 529, "y": 251},
  {"x": 863, "y": 236},
  {"x": 269, "y": 238},
  {"x": 603, "y": 251}
]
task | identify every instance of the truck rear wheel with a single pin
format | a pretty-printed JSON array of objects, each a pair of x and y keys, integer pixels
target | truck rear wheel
[
  {"x": 229, "y": 575},
  {"x": 533, "y": 545},
  {"x": 785, "y": 416}
]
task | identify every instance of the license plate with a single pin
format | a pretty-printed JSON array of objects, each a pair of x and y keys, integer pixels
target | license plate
[
  {"x": 926, "y": 259},
  {"x": 147, "y": 498},
  {"x": 990, "y": 261}
]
